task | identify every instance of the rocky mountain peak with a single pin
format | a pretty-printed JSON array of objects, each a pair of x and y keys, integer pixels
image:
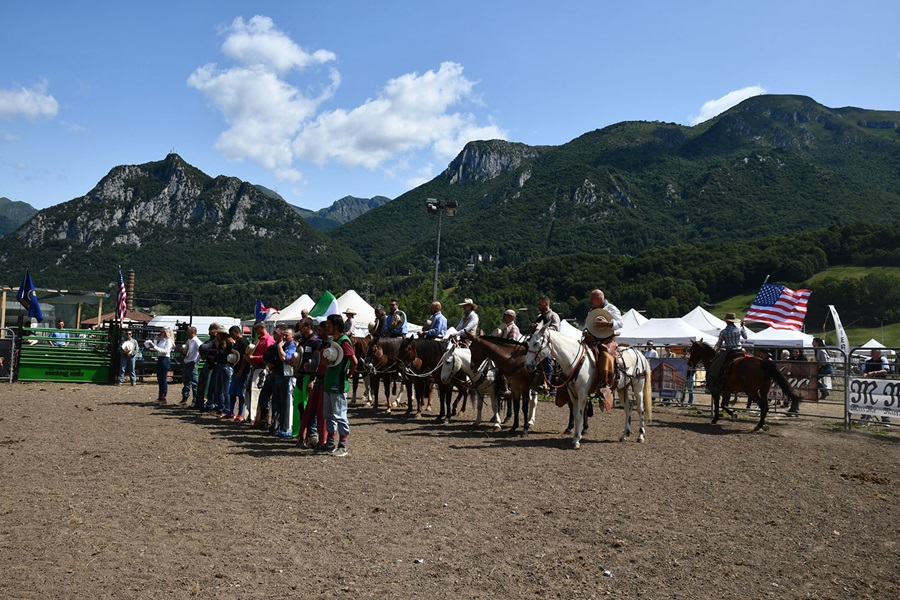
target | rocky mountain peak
[{"x": 483, "y": 161}]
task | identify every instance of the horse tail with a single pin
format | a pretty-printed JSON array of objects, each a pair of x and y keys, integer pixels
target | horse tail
[
  {"x": 648, "y": 393},
  {"x": 771, "y": 369}
]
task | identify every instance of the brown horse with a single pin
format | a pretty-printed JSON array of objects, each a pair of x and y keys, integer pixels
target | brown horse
[
  {"x": 423, "y": 360},
  {"x": 509, "y": 357},
  {"x": 383, "y": 363},
  {"x": 360, "y": 348},
  {"x": 748, "y": 374}
]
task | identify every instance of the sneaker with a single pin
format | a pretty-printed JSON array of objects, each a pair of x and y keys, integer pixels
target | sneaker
[
  {"x": 238, "y": 419},
  {"x": 134, "y": 383},
  {"x": 285, "y": 434},
  {"x": 312, "y": 440},
  {"x": 340, "y": 451},
  {"x": 329, "y": 447}
]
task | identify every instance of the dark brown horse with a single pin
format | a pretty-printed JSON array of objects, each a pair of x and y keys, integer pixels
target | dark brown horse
[
  {"x": 748, "y": 374},
  {"x": 423, "y": 360},
  {"x": 509, "y": 357},
  {"x": 360, "y": 348},
  {"x": 384, "y": 365}
]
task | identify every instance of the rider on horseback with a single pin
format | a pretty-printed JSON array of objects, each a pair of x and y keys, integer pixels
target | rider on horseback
[
  {"x": 730, "y": 346},
  {"x": 607, "y": 322}
]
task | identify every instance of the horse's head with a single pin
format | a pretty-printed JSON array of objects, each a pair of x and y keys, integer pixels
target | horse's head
[
  {"x": 700, "y": 352},
  {"x": 538, "y": 348}
]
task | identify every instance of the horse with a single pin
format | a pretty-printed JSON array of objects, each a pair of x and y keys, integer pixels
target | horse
[
  {"x": 360, "y": 349},
  {"x": 383, "y": 364},
  {"x": 578, "y": 363},
  {"x": 749, "y": 374},
  {"x": 423, "y": 360},
  {"x": 483, "y": 379},
  {"x": 509, "y": 357}
]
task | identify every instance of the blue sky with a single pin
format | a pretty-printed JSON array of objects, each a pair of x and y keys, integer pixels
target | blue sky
[{"x": 323, "y": 100}]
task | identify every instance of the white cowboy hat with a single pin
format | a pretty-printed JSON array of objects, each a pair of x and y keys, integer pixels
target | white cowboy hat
[
  {"x": 219, "y": 329},
  {"x": 372, "y": 327},
  {"x": 470, "y": 302},
  {"x": 510, "y": 313},
  {"x": 334, "y": 354},
  {"x": 349, "y": 311},
  {"x": 599, "y": 323},
  {"x": 234, "y": 357}
]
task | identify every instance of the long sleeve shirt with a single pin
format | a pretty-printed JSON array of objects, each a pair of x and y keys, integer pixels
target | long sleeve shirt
[{"x": 438, "y": 328}]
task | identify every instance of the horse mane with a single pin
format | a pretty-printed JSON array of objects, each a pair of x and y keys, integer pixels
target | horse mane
[{"x": 430, "y": 352}]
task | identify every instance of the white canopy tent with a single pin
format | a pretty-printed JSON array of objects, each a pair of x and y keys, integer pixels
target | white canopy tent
[
  {"x": 569, "y": 330},
  {"x": 705, "y": 321},
  {"x": 632, "y": 320},
  {"x": 873, "y": 343},
  {"x": 365, "y": 314},
  {"x": 780, "y": 338},
  {"x": 292, "y": 312},
  {"x": 675, "y": 332}
]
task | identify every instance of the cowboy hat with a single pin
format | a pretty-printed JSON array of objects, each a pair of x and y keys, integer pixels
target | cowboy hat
[
  {"x": 333, "y": 353},
  {"x": 234, "y": 357},
  {"x": 599, "y": 323},
  {"x": 296, "y": 359},
  {"x": 470, "y": 302},
  {"x": 372, "y": 327},
  {"x": 510, "y": 313},
  {"x": 349, "y": 311},
  {"x": 219, "y": 329},
  {"x": 730, "y": 318}
]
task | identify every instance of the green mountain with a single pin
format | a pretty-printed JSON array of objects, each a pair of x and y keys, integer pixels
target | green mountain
[
  {"x": 179, "y": 229},
  {"x": 13, "y": 214},
  {"x": 341, "y": 211},
  {"x": 770, "y": 165}
]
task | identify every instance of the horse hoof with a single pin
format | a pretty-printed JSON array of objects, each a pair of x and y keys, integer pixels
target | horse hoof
[
  {"x": 497, "y": 427},
  {"x": 576, "y": 445},
  {"x": 568, "y": 431},
  {"x": 640, "y": 439},
  {"x": 715, "y": 420},
  {"x": 624, "y": 438},
  {"x": 453, "y": 413}
]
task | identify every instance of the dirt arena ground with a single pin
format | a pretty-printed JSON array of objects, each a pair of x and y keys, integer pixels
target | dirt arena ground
[{"x": 107, "y": 495}]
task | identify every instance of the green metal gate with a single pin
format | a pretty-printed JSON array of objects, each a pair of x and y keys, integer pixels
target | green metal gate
[{"x": 85, "y": 356}]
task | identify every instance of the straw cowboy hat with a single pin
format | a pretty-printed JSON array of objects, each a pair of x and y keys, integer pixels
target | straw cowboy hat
[
  {"x": 297, "y": 359},
  {"x": 218, "y": 329},
  {"x": 334, "y": 354},
  {"x": 234, "y": 357},
  {"x": 372, "y": 327},
  {"x": 470, "y": 302},
  {"x": 350, "y": 312},
  {"x": 599, "y": 323},
  {"x": 731, "y": 318},
  {"x": 510, "y": 313}
]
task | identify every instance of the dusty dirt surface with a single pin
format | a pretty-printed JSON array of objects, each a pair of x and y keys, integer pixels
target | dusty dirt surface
[{"x": 107, "y": 495}]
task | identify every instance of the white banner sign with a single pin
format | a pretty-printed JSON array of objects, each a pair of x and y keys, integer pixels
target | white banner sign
[{"x": 875, "y": 396}]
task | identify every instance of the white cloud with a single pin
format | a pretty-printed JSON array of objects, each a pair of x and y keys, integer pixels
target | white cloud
[
  {"x": 275, "y": 123},
  {"x": 412, "y": 112},
  {"x": 7, "y": 137},
  {"x": 715, "y": 107},
  {"x": 31, "y": 104}
]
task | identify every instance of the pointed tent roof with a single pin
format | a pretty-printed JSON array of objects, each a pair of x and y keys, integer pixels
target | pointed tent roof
[
  {"x": 292, "y": 311},
  {"x": 632, "y": 320},
  {"x": 569, "y": 330},
  {"x": 705, "y": 321},
  {"x": 873, "y": 343},
  {"x": 365, "y": 314},
  {"x": 664, "y": 331}
]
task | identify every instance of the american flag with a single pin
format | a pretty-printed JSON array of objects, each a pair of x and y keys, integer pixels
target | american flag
[
  {"x": 120, "y": 299},
  {"x": 779, "y": 307}
]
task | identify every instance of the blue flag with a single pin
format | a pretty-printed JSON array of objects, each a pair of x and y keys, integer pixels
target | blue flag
[
  {"x": 262, "y": 312},
  {"x": 28, "y": 298}
]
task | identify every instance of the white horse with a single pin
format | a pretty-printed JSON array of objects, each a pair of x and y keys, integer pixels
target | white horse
[
  {"x": 483, "y": 378},
  {"x": 580, "y": 367}
]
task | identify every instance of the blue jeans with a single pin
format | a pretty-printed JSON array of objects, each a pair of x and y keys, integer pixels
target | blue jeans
[
  {"x": 223, "y": 378},
  {"x": 126, "y": 366},
  {"x": 163, "y": 363},
  {"x": 211, "y": 382},
  {"x": 336, "y": 415},
  {"x": 189, "y": 378}
]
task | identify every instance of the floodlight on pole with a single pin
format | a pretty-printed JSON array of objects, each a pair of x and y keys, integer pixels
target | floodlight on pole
[{"x": 439, "y": 207}]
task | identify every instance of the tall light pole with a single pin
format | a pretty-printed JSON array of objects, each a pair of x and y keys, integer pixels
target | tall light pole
[{"x": 439, "y": 207}]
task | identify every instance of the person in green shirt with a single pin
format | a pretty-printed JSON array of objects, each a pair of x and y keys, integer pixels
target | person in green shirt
[{"x": 341, "y": 360}]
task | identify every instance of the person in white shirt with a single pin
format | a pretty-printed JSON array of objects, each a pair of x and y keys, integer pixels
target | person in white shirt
[
  {"x": 163, "y": 346},
  {"x": 129, "y": 350},
  {"x": 191, "y": 353}
]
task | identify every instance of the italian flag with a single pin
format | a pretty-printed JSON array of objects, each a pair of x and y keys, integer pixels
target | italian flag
[{"x": 327, "y": 305}]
